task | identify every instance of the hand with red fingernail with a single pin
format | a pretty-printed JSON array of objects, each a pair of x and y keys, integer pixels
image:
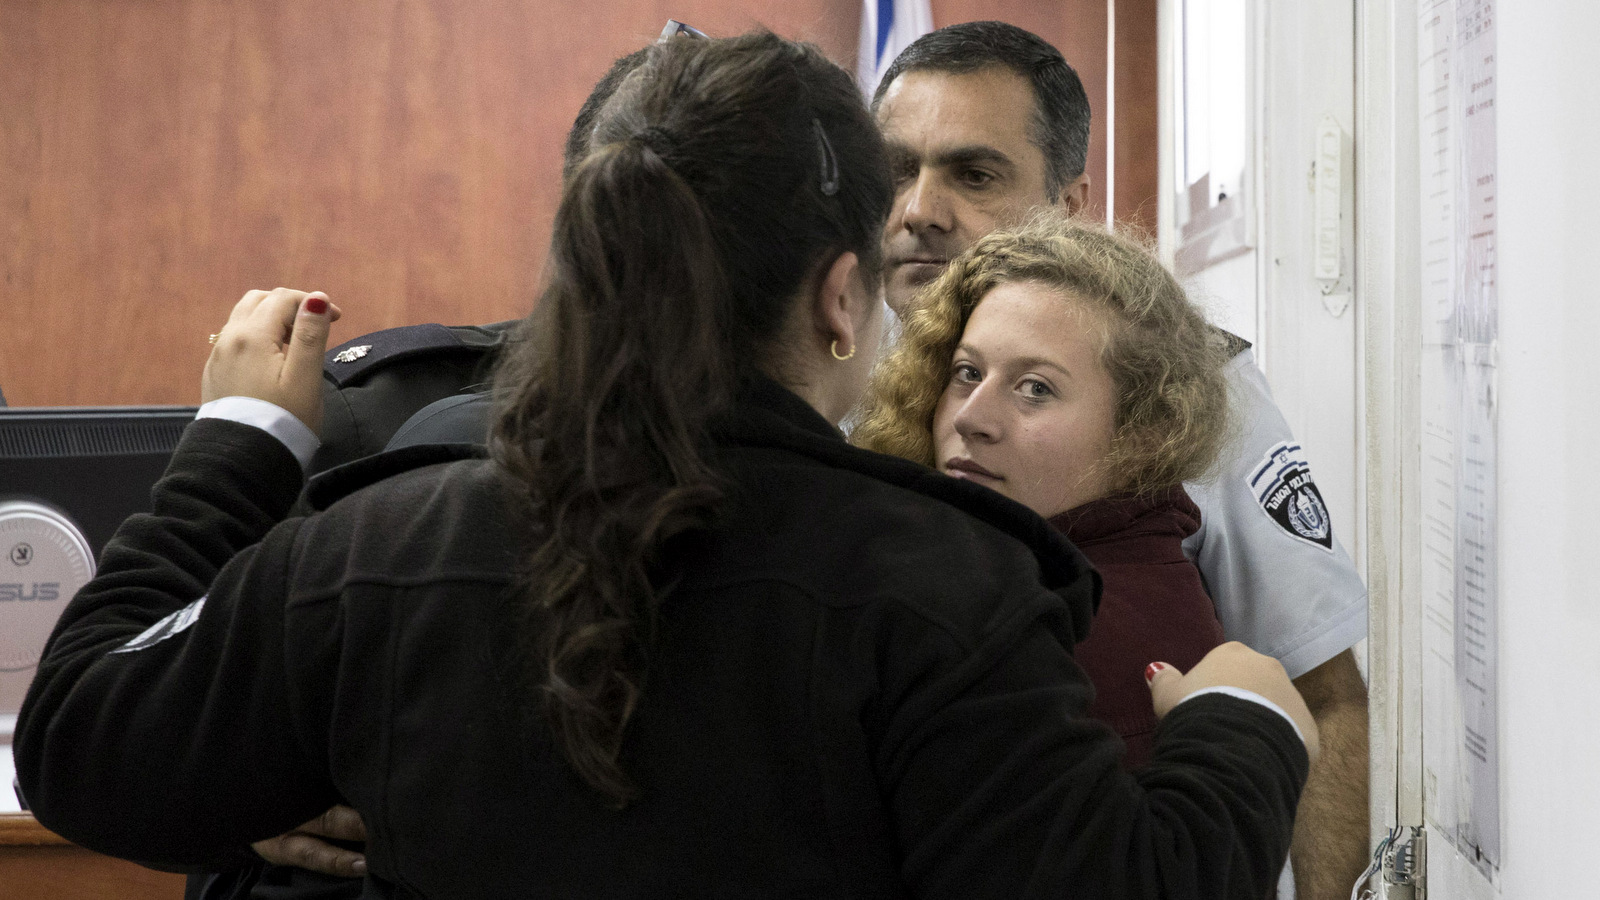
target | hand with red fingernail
[
  {"x": 1237, "y": 666},
  {"x": 271, "y": 349}
]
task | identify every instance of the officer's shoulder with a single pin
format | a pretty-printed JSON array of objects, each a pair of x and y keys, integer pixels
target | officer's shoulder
[
  {"x": 1233, "y": 345},
  {"x": 358, "y": 359},
  {"x": 328, "y": 487}
]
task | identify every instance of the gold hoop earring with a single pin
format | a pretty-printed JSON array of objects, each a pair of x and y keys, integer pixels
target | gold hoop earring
[{"x": 834, "y": 349}]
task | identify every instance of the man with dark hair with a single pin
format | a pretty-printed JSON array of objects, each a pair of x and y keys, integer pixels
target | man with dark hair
[
  {"x": 985, "y": 122},
  {"x": 1061, "y": 116}
]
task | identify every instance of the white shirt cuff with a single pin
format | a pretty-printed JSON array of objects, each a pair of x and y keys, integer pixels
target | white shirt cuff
[
  {"x": 269, "y": 417},
  {"x": 1251, "y": 696}
]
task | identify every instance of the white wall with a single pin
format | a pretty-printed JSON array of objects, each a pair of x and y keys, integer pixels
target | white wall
[
  {"x": 1227, "y": 293},
  {"x": 1303, "y": 57},
  {"x": 1307, "y": 58},
  {"x": 1549, "y": 427},
  {"x": 1549, "y": 242},
  {"x": 1549, "y": 398}
]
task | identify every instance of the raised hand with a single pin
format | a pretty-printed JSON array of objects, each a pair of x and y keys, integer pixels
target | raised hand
[{"x": 271, "y": 349}]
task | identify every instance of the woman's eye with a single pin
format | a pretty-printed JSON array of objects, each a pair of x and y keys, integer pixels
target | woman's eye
[
  {"x": 1036, "y": 390},
  {"x": 965, "y": 374}
]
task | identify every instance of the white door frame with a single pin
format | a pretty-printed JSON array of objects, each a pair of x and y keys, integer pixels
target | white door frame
[{"x": 1387, "y": 276}]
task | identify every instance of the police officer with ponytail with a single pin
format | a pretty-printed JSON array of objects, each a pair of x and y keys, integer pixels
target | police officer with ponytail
[{"x": 675, "y": 636}]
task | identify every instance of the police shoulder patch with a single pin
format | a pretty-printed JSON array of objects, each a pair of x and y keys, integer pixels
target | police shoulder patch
[{"x": 1282, "y": 484}]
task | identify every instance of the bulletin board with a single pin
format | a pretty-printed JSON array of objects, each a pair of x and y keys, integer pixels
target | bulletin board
[{"x": 1460, "y": 328}]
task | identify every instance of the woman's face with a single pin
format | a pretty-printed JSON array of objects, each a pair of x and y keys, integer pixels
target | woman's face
[{"x": 1029, "y": 411}]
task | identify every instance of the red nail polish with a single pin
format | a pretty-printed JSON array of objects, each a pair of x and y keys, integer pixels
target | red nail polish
[
  {"x": 316, "y": 306},
  {"x": 1151, "y": 670}
]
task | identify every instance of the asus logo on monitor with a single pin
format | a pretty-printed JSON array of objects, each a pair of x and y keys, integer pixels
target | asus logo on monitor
[{"x": 43, "y": 591}]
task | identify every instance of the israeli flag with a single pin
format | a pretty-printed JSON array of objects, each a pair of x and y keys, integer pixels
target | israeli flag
[{"x": 887, "y": 27}]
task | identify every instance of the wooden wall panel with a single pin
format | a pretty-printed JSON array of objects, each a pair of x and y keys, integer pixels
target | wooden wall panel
[
  {"x": 158, "y": 158},
  {"x": 1137, "y": 116}
]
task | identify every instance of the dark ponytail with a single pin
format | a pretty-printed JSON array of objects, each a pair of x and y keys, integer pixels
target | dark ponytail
[{"x": 681, "y": 242}]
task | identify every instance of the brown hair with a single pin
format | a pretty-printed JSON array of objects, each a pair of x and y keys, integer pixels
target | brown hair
[
  {"x": 1165, "y": 361},
  {"x": 720, "y": 177}
]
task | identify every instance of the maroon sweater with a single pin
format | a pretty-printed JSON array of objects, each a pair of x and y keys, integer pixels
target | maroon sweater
[{"x": 1154, "y": 606}]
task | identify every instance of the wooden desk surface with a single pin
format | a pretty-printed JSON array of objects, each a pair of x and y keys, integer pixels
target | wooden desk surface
[
  {"x": 22, "y": 830},
  {"x": 37, "y": 864}
]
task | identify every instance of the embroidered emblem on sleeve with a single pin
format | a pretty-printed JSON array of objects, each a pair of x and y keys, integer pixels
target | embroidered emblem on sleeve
[
  {"x": 1282, "y": 485},
  {"x": 352, "y": 354},
  {"x": 167, "y": 627}
]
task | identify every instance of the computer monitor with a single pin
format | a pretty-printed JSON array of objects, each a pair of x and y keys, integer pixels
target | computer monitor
[{"x": 68, "y": 477}]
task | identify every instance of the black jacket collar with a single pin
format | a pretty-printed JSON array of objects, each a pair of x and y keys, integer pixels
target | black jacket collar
[
  {"x": 769, "y": 415},
  {"x": 326, "y": 488}
]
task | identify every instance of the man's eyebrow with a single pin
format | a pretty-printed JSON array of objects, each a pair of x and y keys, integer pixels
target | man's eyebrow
[
  {"x": 898, "y": 150},
  {"x": 969, "y": 154},
  {"x": 952, "y": 156}
]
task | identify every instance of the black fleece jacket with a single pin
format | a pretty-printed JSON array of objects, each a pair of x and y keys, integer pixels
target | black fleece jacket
[{"x": 863, "y": 686}]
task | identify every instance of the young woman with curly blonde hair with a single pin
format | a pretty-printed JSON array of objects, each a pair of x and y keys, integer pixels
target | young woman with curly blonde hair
[{"x": 1061, "y": 365}]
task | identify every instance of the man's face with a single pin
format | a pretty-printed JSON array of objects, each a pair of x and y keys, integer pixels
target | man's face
[{"x": 963, "y": 166}]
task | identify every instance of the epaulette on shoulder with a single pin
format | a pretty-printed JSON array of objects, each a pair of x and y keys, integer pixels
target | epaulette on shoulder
[
  {"x": 1235, "y": 345},
  {"x": 356, "y": 359}
]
